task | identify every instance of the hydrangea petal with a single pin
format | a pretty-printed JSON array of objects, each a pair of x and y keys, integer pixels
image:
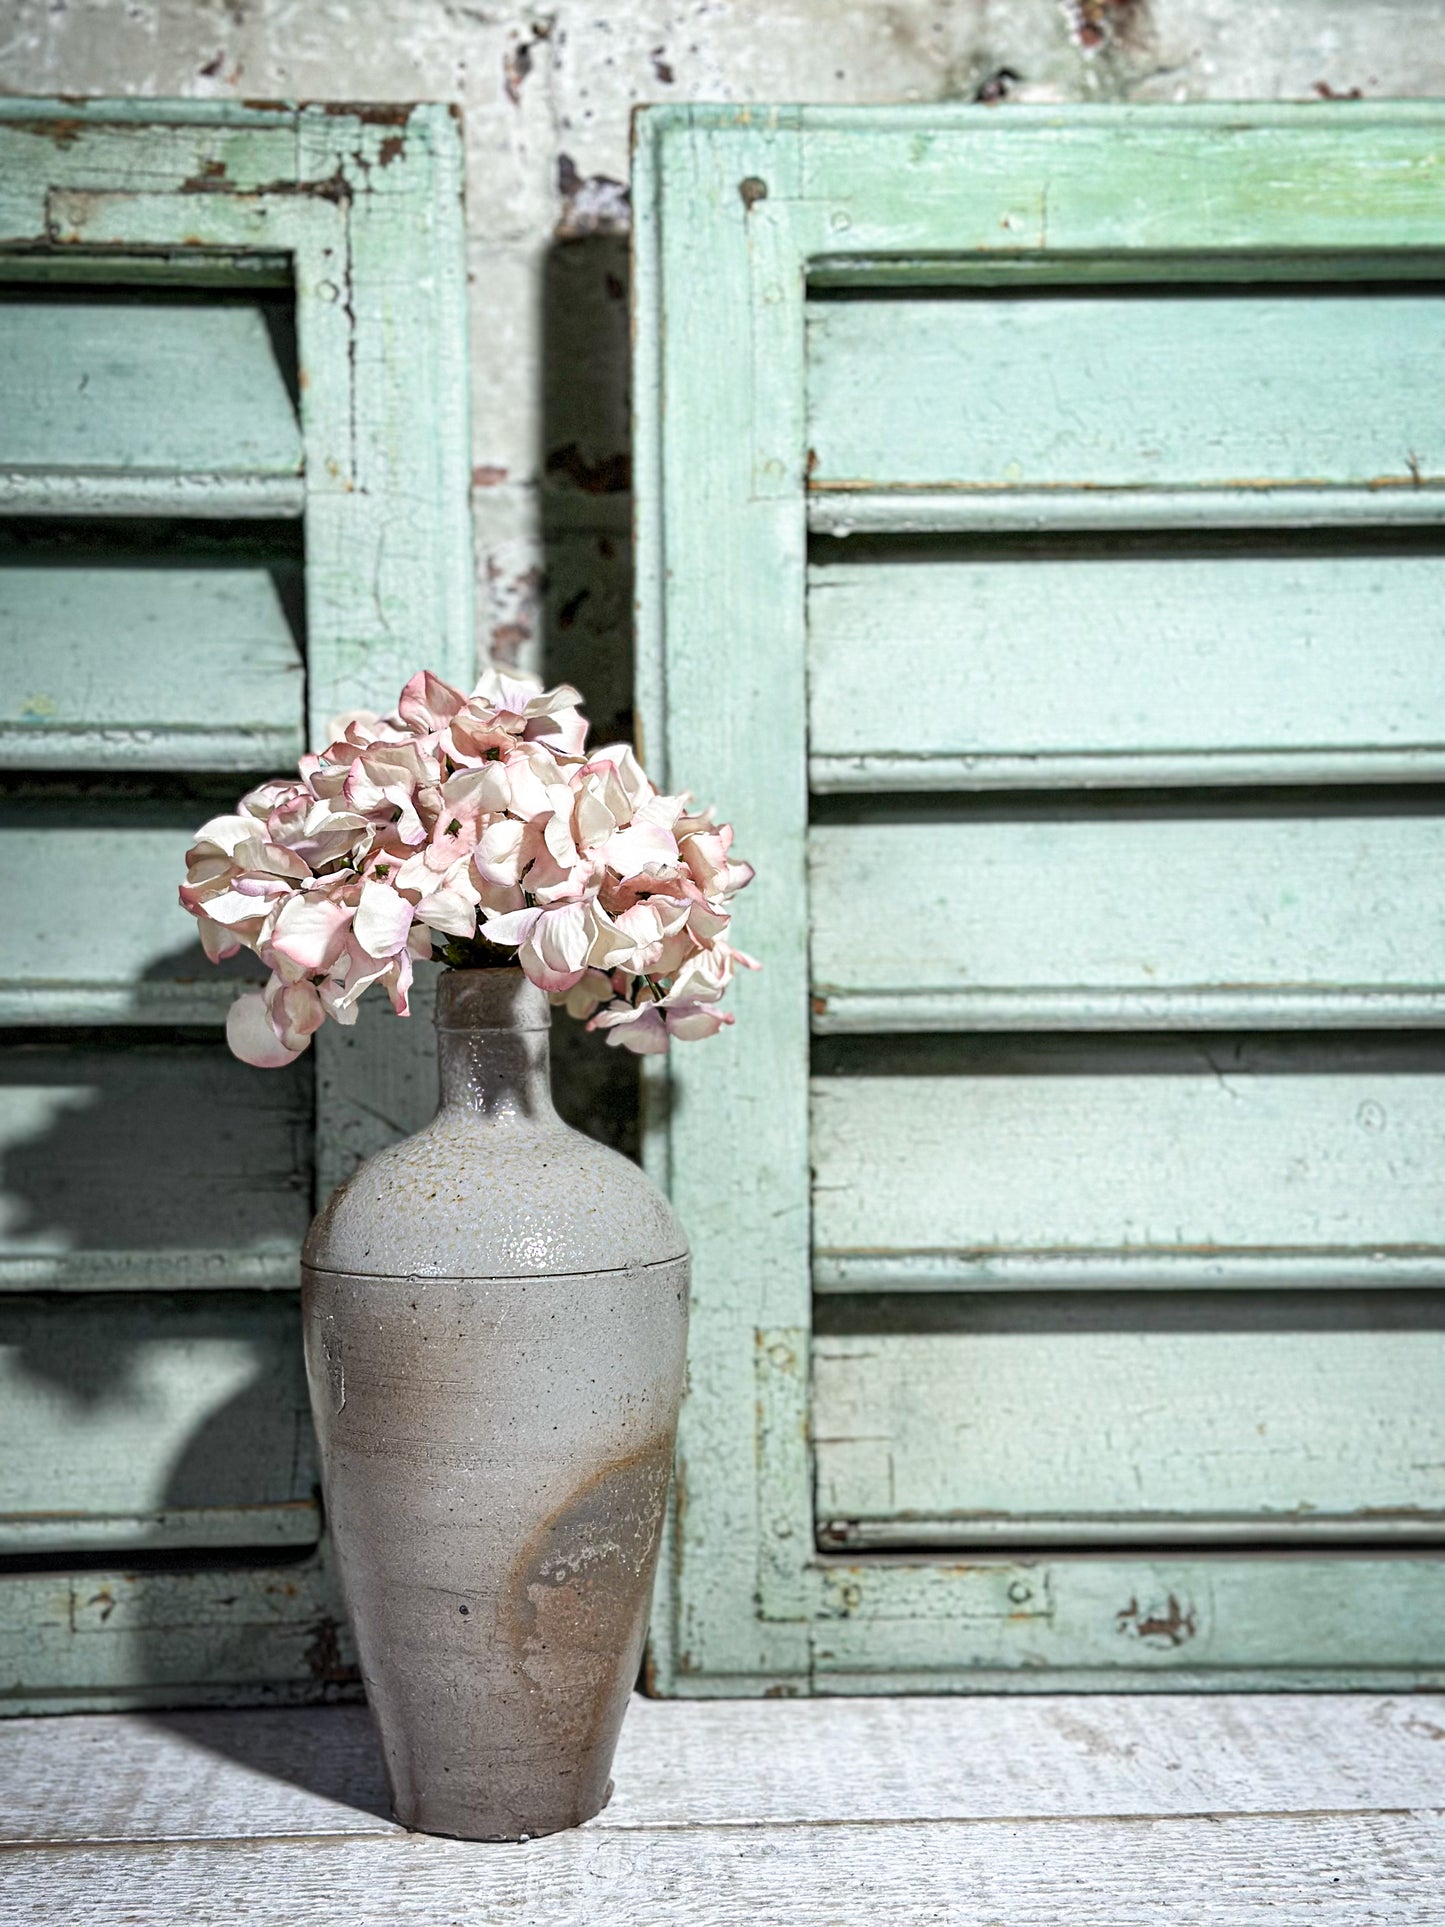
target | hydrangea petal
[
  {"x": 251, "y": 1037},
  {"x": 382, "y": 920}
]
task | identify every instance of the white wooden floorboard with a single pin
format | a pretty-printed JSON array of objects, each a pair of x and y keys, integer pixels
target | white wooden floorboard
[
  {"x": 1069, "y": 1809},
  {"x": 208, "y": 1776},
  {"x": 1331, "y": 1870}
]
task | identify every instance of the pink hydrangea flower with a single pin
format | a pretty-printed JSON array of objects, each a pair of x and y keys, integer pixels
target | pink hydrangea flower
[{"x": 480, "y": 820}]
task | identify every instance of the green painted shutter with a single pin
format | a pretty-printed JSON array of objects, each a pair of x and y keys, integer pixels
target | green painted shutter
[
  {"x": 1041, "y": 543},
  {"x": 233, "y": 501}
]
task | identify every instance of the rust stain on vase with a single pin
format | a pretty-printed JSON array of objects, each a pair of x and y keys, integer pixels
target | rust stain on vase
[{"x": 579, "y": 1592}]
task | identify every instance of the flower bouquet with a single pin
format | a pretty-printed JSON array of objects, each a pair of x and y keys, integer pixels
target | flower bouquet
[{"x": 478, "y": 823}]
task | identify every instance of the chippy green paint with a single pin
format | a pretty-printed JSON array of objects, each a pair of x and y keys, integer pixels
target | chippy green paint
[
  {"x": 1103, "y": 327},
  {"x": 234, "y": 339}
]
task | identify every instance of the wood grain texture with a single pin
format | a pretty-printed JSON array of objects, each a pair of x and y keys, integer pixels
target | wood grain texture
[
  {"x": 156, "y": 381},
  {"x": 150, "y": 968},
  {"x": 176, "y": 388},
  {"x": 1147, "y": 192},
  {"x": 1145, "y": 663},
  {"x": 119, "y": 1152},
  {"x": 1073, "y": 1420},
  {"x": 1115, "y": 916},
  {"x": 139, "y": 661},
  {"x": 154, "y": 1421},
  {"x": 721, "y": 525},
  {"x": 1134, "y": 388},
  {"x": 254, "y": 1775},
  {"x": 1328, "y": 1871},
  {"x": 105, "y": 1638},
  {"x": 737, "y": 208},
  {"x": 1046, "y": 1163}
]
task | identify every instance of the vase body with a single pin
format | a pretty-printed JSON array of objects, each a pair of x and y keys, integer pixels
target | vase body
[{"x": 495, "y": 1317}]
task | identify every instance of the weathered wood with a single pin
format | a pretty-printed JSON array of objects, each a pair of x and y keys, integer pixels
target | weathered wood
[
  {"x": 737, "y": 210},
  {"x": 1137, "y": 662},
  {"x": 1161, "y": 1619},
  {"x": 1325, "y": 1870},
  {"x": 221, "y": 1634},
  {"x": 1104, "y": 916},
  {"x": 124, "y": 658},
  {"x": 172, "y": 387},
  {"x": 160, "y": 381},
  {"x": 722, "y": 526},
  {"x": 154, "y": 1421},
  {"x": 369, "y": 208},
  {"x": 376, "y": 1080},
  {"x": 150, "y": 968},
  {"x": 1051, "y": 1163},
  {"x": 201, "y": 495},
  {"x": 1077, "y": 1420},
  {"x": 1208, "y": 191},
  {"x": 1113, "y": 512},
  {"x": 1169, "y": 388},
  {"x": 248, "y": 1776},
  {"x": 118, "y": 1149}
]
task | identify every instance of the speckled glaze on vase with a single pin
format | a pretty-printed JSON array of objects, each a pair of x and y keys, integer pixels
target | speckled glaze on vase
[{"x": 495, "y": 1316}]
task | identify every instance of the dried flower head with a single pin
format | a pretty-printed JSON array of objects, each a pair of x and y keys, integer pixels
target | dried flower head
[{"x": 478, "y": 822}]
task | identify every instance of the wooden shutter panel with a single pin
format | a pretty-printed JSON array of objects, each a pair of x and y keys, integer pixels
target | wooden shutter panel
[
  {"x": 1039, "y": 538},
  {"x": 233, "y": 501}
]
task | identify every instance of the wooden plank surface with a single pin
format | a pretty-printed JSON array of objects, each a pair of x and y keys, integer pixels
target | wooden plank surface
[
  {"x": 150, "y": 968},
  {"x": 1081, "y": 1419},
  {"x": 1131, "y": 388},
  {"x": 1117, "y": 915},
  {"x": 154, "y": 1421},
  {"x": 1048, "y": 1162},
  {"x": 1326, "y": 1871},
  {"x": 117, "y": 656},
  {"x": 224, "y": 1775},
  {"x": 721, "y": 528},
  {"x": 1172, "y": 661},
  {"x": 219, "y": 1632},
  {"x": 142, "y": 1162},
  {"x": 166, "y": 381},
  {"x": 1105, "y": 1809}
]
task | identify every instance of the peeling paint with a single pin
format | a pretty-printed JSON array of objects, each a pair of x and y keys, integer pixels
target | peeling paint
[
  {"x": 517, "y": 61},
  {"x": 591, "y": 204},
  {"x": 1166, "y": 1623}
]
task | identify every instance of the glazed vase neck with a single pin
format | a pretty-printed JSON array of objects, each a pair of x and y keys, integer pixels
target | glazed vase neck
[{"x": 493, "y": 1036}]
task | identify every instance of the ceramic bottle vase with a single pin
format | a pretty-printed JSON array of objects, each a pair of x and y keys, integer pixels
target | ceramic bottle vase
[{"x": 495, "y": 1316}]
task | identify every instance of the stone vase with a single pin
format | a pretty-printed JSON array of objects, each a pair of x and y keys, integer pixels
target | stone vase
[{"x": 495, "y": 1316}]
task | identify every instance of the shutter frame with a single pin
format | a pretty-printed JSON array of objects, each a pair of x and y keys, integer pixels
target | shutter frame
[
  {"x": 737, "y": 211},
  {"x": 356, "y": 210}
]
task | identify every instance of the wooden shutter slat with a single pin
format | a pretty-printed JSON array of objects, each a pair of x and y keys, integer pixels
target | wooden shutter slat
[
  {"x": 135, "y": 1163},
  {"x": 1048, "y": 1162},
  {"x": 128, "y": 853},
  {"x": 136, "y": 661},
  {"x": 153, "y": 1421},
  {"x": 1175, "y": 389},
  {"x": 1105, "y": 918},
  {"x": 1139, "y": 663},
  {"x": 155, "y": 383},
  {"x": 1055, "y": 1421}
]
